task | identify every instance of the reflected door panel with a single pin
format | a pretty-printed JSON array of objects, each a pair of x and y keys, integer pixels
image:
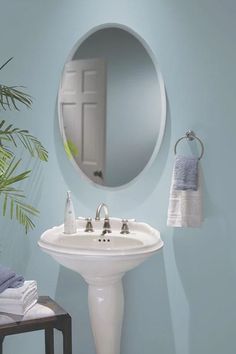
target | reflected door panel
[{"x": 83, "y": 106}]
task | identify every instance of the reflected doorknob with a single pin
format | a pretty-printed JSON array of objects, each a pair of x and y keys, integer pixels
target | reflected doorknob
[{"x": 98, "y": 174}]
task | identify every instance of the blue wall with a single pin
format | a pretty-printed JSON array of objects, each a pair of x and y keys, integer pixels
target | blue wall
[{"x": 183, "y": 300}]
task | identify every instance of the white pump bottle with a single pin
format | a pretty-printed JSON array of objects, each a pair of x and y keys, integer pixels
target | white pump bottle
[{"x": 69, "y": 217}]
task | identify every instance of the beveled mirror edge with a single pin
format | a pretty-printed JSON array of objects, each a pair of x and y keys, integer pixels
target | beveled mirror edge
[{"x": 163, "y": 100}]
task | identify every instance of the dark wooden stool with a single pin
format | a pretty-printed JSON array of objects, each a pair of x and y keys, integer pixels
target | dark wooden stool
[{"x": 60, "y": 320}]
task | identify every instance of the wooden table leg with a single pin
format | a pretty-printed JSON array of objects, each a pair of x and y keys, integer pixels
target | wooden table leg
[
  {"x": 1, "y": 343},
  {"x": 49, "y": 341},
  {"x": 67, "y": 337}
]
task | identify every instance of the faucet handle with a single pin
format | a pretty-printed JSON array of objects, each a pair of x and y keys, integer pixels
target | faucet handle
[
  {"x": 124, "y": 227},
  {"x": 89, "y": 226},
  {"x": 106, "y": 227}
]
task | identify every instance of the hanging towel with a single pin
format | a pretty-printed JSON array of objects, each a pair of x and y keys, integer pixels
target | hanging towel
[
  {"x": 9, "y": 279},
  {"x": 186, "y": 173},
  {"x": 185, "y": 206}
]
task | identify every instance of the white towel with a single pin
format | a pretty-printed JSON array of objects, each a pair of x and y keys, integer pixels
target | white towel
[
  {"x": 185, "y": 206},
  {"x": 26, "y": 297},
  {"x": 19, "y": 293},
  {"x": 36, "y": 311},
  {"x": 19, "y": 309},
  {"x": 19, "y": 300}
]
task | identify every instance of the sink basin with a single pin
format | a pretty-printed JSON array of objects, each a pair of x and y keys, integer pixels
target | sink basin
[
  {"x": 94, "y": 244},
  {"x": 102, "y": 260},
  {"x": 95, "y": 255}
]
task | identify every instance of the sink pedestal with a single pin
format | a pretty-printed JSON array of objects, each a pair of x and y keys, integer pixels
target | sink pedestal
[{"x": 106, "y": 307}]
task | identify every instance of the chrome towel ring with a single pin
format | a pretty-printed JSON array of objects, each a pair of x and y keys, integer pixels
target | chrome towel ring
[{"x": 190, "y": 135}]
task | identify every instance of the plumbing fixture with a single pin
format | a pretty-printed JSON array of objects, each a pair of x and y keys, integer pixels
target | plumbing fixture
[
  {"x": 106, "y": 225},
  {"x": 89, "y": 226},
  {"x": 124, "y": 227}
]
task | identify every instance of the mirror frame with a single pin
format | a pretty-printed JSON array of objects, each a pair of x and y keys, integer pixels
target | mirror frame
[{"x": 162, "y": 94}]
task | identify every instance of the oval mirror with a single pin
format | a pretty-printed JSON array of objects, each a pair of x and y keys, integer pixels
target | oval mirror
[{"x": 111, "y": 106}]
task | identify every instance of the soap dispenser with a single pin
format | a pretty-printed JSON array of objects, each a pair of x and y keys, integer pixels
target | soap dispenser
[{"x": 69, "y": 217}]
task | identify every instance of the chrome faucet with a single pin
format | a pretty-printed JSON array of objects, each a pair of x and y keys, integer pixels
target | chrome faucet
[
  {"x": 89, "y": 226},
  {"x": 106, "y": 225},
  {"x": 124, "y": 227},
  {"x": 99, "y": 209}
]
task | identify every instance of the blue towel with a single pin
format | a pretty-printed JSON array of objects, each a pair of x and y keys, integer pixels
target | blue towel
[
  {"x": 186, "y": 173},
  {"x": 9, "y": 279}
]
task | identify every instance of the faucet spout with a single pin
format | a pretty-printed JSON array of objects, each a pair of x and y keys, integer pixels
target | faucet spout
[
  {"x": 106, "y": 225},
  {"x": 99, "y": 209}
]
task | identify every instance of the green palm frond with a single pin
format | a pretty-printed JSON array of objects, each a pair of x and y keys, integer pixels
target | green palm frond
[
  {"x": 6, "y": 62},
  {"x": 30, "y": 142},
  {"x": 11, "y": 97},
  {"x": 8, "y": 178},
  {"x": 18, "y": 209},
  {"x": 5, "y": 157},
  {"x": 13, "y": 197}
]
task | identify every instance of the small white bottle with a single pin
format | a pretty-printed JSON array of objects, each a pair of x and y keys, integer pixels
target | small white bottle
[{"x": 69, "y": 217}]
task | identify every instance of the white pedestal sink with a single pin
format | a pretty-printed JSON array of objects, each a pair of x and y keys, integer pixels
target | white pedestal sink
[{"x": 102, "y": 260}]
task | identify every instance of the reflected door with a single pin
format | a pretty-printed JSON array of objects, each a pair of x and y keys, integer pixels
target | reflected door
[{"x": 83, "y": 106}]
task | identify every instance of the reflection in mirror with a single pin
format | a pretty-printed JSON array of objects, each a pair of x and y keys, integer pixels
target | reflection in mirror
[{"x": 111, "y": 107}]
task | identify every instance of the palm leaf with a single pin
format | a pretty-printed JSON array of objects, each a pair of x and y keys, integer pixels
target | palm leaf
[
  {"x": 23, "y": 212},
  {"x": 7, "y": 178},
  {"x": 13, "y": 197},
  {"x": 5, "y": 157},
  {"x": 11, "y": 97},
  {"x": 30, "y": 142},
  {"x": 6, "y": 63}
]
